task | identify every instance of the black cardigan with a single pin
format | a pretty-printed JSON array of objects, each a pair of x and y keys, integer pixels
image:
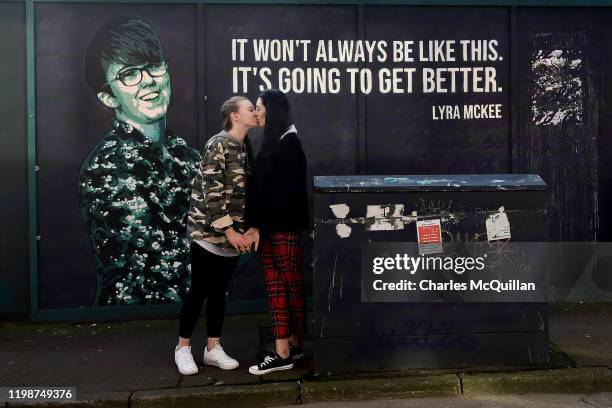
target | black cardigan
[{"x": 277, "y": 199}]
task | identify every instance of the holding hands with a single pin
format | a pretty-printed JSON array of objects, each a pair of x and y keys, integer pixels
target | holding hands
[
  {"x": 252, "y": 235},
  {"x": 237, "y": 240},
  {"x": 243, "y": 243}
]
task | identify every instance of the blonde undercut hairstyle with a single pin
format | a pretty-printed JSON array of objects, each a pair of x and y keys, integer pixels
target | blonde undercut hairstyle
[{"x": 228, "y": 107}]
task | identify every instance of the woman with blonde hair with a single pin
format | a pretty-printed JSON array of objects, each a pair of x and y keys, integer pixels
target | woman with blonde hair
[{"x": 216, "y": 229}]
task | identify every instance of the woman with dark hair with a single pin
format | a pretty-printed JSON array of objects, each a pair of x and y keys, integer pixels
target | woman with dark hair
[{"x": 280, "y": 210}]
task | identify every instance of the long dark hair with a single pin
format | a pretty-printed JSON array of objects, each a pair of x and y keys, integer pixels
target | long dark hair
[{"x": 278, "y": 119}]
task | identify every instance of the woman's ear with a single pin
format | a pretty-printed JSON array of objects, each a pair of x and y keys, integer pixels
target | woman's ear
[{"x": 107, "y": 100}]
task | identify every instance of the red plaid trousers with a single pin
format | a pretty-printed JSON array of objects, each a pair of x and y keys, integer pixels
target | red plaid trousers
[{"x": 281, "y": 257}]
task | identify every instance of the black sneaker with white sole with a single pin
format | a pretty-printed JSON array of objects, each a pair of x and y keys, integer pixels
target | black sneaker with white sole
[
  {"x": 271, "y": 362},
  {"x": 296, "y": 352}
]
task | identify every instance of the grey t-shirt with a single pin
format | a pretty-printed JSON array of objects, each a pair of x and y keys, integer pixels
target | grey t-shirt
[{"x": 216, "y": 249}]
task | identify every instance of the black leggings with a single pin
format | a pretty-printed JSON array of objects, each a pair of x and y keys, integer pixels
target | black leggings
[{"x": 210, "y": 275}]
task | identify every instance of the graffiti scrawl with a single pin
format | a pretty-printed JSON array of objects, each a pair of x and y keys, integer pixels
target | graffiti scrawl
[{"x": 557, "y": 91}]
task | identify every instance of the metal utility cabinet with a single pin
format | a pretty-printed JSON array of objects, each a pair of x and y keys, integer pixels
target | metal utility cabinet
[{"x": 353, "y": 335}]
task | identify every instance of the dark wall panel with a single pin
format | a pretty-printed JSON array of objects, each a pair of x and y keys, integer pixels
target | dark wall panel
[
  {"x": 562, "y": 60},
  {"x": 14, "y": 278},
  {"x": 402, "y": 135},
  {"x": 326, "y": 123},
  {"x": 604, "y": 169}
]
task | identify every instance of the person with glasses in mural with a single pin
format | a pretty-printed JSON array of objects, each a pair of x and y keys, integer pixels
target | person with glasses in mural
[
  {"x": 219, "y": 229},
  {"x": 134, "y": 186},
  {"x": 280, "y": 208}
]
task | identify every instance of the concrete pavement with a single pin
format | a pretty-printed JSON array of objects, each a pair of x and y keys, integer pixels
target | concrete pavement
[
  {"x": 601, "y": 400},
  {"x": 131, "y": 364}
]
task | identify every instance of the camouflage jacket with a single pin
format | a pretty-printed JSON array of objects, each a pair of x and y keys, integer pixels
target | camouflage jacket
[
  {"x": 219, "y": 191},
  {"x": 134, "y": 198}
]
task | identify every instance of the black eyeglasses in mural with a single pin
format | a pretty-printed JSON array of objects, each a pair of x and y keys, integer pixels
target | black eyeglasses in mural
[
  {"x": 135, "y": 185},
  {"x": 132, "y": 76}
]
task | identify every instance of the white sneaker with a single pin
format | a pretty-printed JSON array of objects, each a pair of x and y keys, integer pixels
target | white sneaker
[
  {"x": 217, "y": 357},
  {"x": 184, "y": 360}
]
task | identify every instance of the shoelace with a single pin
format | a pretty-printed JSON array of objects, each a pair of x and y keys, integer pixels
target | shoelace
[
  {"x": 267, "y": 360},
  {"x": 224, "y": 356},
  {"x": 184, "y": 356},
  {"x": 183, "y": 351}
]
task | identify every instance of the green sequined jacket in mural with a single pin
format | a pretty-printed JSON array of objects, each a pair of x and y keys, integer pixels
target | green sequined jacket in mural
[{"x": 134, "y": 198}]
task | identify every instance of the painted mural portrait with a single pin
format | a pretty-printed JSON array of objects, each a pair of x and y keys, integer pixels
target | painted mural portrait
[{"x": 135, "y": 184}]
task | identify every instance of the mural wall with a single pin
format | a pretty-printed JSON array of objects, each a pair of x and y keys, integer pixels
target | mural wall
[
  {"x": 127, "y": 95},
  {"x": 117, "y": 152}
]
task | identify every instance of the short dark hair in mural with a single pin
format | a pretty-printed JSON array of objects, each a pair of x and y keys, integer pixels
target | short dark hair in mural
[
  {"x": 135, "y": 184},
  {"x": 130, "y": 41}
]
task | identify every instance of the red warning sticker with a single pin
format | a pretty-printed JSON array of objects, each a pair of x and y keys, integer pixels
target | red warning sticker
[
  {"x": 429, "y": 237},
  {"x": 429, "y": 231}
]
